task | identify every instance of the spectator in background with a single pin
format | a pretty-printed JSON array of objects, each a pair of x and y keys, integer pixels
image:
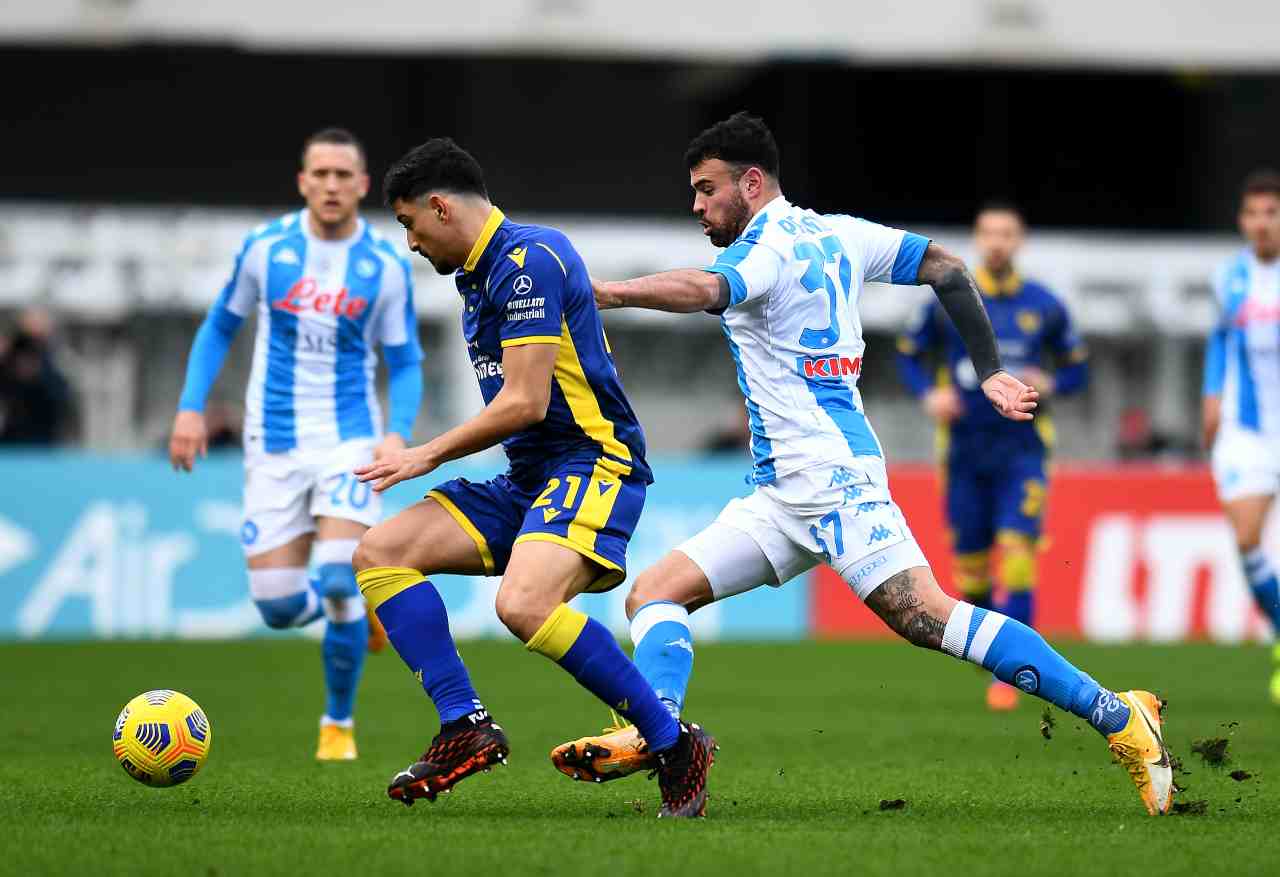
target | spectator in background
[
  {"x": 35, "y": 398},
  {"x": 1138, "y": 439},
  {"x": 222, "y": 423},
  {"x": 731, "y": 436}
]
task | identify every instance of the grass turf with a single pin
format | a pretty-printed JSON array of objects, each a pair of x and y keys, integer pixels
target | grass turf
[{"x": 814, "y": 736}]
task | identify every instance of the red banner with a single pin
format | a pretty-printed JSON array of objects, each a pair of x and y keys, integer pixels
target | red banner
[{"x": 1132, "y": 552}]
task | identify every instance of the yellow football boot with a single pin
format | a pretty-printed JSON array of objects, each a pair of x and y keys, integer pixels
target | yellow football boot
[
  {"x": 1139, "y": 748},
  {"x": 336, "y": 743},
  {"x": 620, "y": 751},
  {"x": 1001, "y": 697}
]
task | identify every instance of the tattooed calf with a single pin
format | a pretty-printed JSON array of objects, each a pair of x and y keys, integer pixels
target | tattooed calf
[{"x": 899, "y": 605}]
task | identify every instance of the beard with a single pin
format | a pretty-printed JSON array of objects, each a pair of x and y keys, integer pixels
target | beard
[
  {"x": 442, "y": 267},
  {"x": 736, "y": 216}
]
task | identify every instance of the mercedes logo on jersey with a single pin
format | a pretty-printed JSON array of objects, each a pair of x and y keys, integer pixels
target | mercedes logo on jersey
[{"x": 523, "y": 284}]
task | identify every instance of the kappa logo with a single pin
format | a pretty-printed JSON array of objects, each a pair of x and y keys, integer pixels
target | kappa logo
[
  {"x": 851, "y": 492},
  {"x": 522, "y": 285},
  {"x": 286, "y": 257},
  {"x": 841, "y": 476},
  {"x": 1107, "y": 703},
  {"x": 879, "y": 533},
  {"x": 682, "y": 643}
]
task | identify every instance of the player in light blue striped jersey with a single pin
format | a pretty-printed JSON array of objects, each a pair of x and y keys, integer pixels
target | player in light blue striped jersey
[
  {"x": 787, "y": 287},
  {"x": 1241, "y": 408},
  {"x": 328, "y": 290}
]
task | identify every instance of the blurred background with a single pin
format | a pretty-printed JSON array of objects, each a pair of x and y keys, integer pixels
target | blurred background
[{"x": 143, "y": 139}]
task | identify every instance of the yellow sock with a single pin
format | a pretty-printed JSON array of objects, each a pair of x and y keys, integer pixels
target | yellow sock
[{"x": 379, "y": 584}]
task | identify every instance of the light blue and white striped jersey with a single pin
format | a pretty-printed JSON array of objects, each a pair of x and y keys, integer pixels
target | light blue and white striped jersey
[
  {"x": 795, "y": 277},
  {"x": 1242, "y": 360},
  {"x": 323, "y": 307}
]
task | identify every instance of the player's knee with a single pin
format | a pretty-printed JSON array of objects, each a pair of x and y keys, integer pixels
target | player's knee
[
  {"x": 283, "y": 596},
  {"x": 282, "y": 612},
  {"x": 1018, "y": 565},
  {"x": 378, "y": 547},
  {"x": 521, "y": 611},
  {"x": 648, "y": 588},
  {"x": 973, "y": 573},
  {"x": 1248, "y": 539}
]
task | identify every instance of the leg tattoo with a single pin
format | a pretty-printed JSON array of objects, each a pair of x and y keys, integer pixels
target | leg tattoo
[{"x": 898, "y": 604}]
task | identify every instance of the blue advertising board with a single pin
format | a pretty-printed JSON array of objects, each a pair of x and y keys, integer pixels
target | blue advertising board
[{"x": 98, "y": 546}]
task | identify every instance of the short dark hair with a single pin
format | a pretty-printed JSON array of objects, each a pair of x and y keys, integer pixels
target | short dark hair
[
  {"x": 336, "y": 136},
  {"x": 742, "y": 140},
  {"x": 437, "y": 165},
  {"x": 1000, "y": 205},
  {"x": 1263, "y": 181}
]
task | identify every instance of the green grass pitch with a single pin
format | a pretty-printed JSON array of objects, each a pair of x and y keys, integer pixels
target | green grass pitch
[{"x": 814, "y": 736}]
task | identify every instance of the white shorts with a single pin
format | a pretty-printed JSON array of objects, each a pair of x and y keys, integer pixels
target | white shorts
[
  {"x": 285, "y": 493},
  {"x": 1245, "y": 463},
  {"x": 839, "y": 514}
]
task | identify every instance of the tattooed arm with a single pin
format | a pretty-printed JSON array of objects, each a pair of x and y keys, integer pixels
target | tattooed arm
[{"x": 958, "y": 294}]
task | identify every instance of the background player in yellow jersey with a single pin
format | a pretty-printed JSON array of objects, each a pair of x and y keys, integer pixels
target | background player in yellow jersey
[{"x": 996, "y": 477}]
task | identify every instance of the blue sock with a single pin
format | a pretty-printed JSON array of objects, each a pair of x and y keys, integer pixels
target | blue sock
[
  {"x": 418, "y": 626},
  {"x": 344, "y": 647},
  {"x": 585, "y": 648},
  {"x": 1263, "y": 583},
  {"x": 346, "y": 637},
  {"x": 1016, "y": 654},
  {"x": 1018, "y": 606},
  {"x": 664, "y": 651}
]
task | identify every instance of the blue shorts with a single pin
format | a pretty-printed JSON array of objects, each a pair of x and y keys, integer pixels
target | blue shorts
[
  {"x": 583, "y": 505},
  {"x": 984, "y": 502}
]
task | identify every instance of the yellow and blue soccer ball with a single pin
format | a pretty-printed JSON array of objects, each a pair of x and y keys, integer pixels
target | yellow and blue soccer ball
[{"x": 162, "y": 738}]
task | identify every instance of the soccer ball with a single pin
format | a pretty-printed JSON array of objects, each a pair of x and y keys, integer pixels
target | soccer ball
[{"x": 161, "y": 738}]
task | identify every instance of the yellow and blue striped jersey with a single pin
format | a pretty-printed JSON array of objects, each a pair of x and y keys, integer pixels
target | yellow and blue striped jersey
[{"x": 526, "y": 284}]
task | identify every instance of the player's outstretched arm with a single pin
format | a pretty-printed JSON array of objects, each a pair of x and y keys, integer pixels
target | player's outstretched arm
[
  {"x": 686, "y": 291},
  {"x": 521, "y": 403},
  {"x": 958, "y": 294}
]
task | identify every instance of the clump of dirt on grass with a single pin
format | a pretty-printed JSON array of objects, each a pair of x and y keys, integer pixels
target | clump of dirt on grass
[
  {"x": 1190, "y": 808},
  {"x": 1047, "y": 722},
  {"x": 1212, "y": 750},
  {"x": 1240, "y": 775},
  {"x": 895, "y": 804}
]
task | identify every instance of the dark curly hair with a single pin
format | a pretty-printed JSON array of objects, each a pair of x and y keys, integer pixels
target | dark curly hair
[
  {"x": 742, "y": 140},
  {"x": 439, "y": 165}
]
